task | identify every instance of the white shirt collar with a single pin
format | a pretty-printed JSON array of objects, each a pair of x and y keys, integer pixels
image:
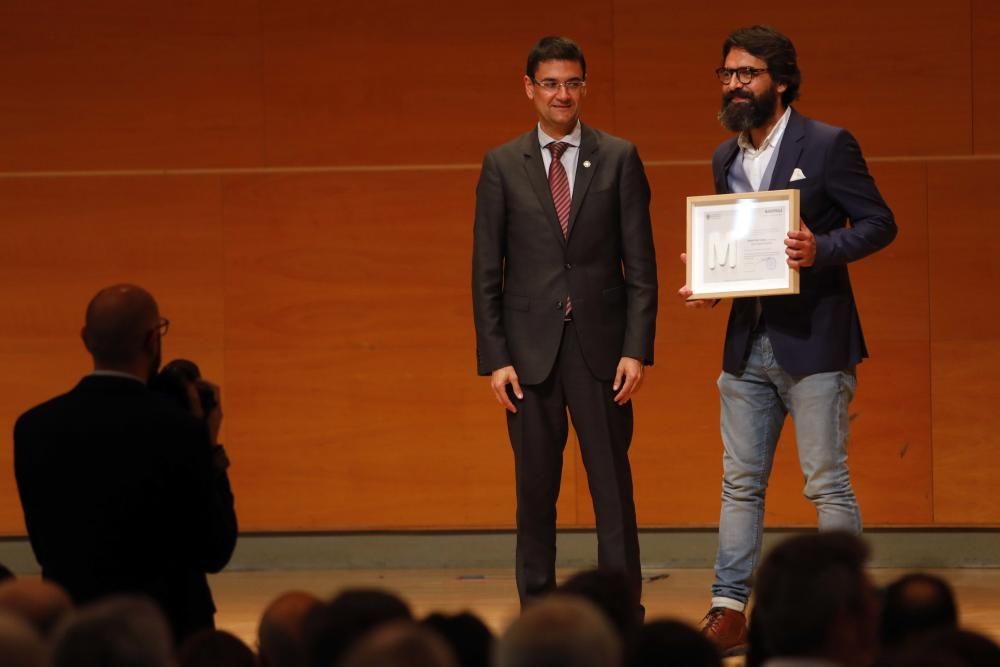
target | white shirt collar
[
  {"x": 573, "y": 138},
  {"x": 773, "y": 137}
]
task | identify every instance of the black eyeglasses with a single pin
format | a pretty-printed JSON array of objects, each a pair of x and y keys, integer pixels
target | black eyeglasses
[
  {"x": 743, "y": 74},
  {"x": 162, "y": 327},
  {"x": 551, "y": 85}
]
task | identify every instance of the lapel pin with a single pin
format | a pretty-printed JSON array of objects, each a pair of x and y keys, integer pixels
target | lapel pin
[{"x": 586, "y": 164}]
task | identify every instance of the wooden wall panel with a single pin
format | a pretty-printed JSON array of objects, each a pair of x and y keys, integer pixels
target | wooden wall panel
[
  {"x": 666, "y": 95},
  {"x": 334, "y": 306},
  {"x": 114, "y": 84},
  {"x": 985, "y": 55},
  {"x": 862, "y": 63},
  {"x": 891, "y": 457},
  {"x": 64, "y": 239},
  {"x": 350, "y": 356},
  {"x": 383, "y": 83},
  {"x": 965, "y": 335}
]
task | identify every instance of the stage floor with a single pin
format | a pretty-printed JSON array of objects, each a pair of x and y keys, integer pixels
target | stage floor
[{"x": 675, "y": 593}]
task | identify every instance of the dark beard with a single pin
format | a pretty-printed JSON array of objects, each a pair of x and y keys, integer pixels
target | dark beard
[{"x": 745, "y": 117}]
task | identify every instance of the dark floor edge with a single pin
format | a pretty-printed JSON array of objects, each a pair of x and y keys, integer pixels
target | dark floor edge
[{"x": 674, "y": 548}]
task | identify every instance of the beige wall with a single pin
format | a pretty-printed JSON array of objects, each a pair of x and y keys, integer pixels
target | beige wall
[{"x": 294, "y": 181}]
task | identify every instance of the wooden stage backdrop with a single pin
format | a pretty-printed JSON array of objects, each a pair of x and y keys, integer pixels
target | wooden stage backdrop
[{"x": 295, "y": 181}]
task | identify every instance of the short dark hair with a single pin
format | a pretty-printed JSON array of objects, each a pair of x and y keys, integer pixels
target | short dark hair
[
  {"x": 331, "y": 629},
  {"x": 915, "y": 604},
  {"x": 215, "y": 648},
  {"x": 946, "y": 648},
  {"x": 670, "y": 642},
  {"x": 554, "y": 47},
  {"x": 469, "y": 638},
  {"x": 610, "y": 592},
  {"x": 802, "y": 587},
  {"x": 775, "y": 49}
]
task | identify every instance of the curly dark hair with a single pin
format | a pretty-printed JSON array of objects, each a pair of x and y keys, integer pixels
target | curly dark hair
[{"x": 775, "y": 49}]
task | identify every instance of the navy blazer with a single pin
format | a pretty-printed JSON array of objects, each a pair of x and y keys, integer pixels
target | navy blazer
[{"x": 817, "y": 330}]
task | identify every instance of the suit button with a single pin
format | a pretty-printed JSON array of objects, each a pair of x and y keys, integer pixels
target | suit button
[
  {"x": 559, "y": 305},
  {"x": 569, "y": 266}
]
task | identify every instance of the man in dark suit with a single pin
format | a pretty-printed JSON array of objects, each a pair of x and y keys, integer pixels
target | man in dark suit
[
  {"x": 564, "y": 298},
  {"x": 122, "y": 489},
  {"x": 787, "y": 354}
]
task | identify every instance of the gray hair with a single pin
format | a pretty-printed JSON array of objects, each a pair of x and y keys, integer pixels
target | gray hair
[
  {"x": 560, "y": 631},
  {"x": 400, "y": 644},
  {"x": 122, "y": 631}
]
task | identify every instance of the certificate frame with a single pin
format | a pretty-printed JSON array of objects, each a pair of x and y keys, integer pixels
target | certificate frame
[{"x": 746, "y": 231}]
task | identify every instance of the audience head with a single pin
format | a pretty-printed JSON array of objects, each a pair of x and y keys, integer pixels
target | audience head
[
  {"x": 949, "y": 647},
  {"x": 560, "y": 631},
  {"x": 400, "y": 644},
  {"x": 674, "y": 643},
  {"x": 119, "y": 631},
  {"x": 215, "y": 648},
  {"x": 610, "y": 592},
  {"x": 331, "y": 629},
  {"x": 37, "y": 601},
  {"x": 280, "y": 636},
  {"x": 469, "y": 638},
  {"x": 20, "y": 645},
  {"x": 915, "y": 604},
  {"x": 123, "y": 329},
  {"x": 814, "y": 599}
]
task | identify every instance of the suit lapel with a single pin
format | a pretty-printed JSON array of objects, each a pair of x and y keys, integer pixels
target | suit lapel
[
  {"x": 789, "y": 152},
  {"x": 534, "y": 168},
  {"x": 584, "y": 173},
  {"x": 721, "y": 177}
]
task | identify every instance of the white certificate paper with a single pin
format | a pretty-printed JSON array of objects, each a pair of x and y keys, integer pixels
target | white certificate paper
[{"x": 736, "y": 244}]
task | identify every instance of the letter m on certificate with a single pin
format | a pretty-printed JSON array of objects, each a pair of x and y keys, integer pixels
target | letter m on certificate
[{"x": 721, "y": 250}]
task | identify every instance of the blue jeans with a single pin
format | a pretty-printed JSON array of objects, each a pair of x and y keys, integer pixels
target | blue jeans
[{"x": 754, "y": 406}]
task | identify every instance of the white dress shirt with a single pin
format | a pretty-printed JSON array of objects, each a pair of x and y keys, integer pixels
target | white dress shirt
[
  {"x": 756, "y": 159},
  {"x": 569, "y": 157}
]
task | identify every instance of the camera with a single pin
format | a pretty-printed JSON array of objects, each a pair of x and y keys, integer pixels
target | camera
[{"x": 173, "y": 380}]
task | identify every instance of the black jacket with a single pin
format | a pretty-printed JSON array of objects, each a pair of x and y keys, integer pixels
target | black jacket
[
  {"x": 120, "y": 494},
  {"x": 523, "y": 268}
]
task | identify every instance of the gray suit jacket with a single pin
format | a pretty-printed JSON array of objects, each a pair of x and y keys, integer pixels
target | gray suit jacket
[{"x": 523, "y": 268}]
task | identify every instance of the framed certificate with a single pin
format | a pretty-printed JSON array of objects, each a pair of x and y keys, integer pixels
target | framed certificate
[{"x": 736, "y": 244}]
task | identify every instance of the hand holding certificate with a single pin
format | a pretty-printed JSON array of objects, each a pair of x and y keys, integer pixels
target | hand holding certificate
[{"x": 736, "y": 244}]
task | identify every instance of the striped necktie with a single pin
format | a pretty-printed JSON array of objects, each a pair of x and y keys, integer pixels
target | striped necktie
[{"x": 559, "y": 185}]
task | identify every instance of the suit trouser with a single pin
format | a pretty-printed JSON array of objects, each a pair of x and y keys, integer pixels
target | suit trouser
[{"x": 538, "y": 433}]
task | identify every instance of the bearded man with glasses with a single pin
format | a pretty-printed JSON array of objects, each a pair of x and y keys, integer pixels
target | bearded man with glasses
[
  {"x": 791, "y": 354},
  {"x": 564, "y": 301}
]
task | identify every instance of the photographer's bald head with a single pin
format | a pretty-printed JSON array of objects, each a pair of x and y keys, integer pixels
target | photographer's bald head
[{"x": 123, "y": 329}]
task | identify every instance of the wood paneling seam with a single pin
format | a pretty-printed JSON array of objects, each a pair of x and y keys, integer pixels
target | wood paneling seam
[{"x": 377, "y": 168}]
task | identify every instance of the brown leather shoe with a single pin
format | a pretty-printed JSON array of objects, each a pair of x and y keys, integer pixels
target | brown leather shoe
[{"x": 727, "y": 628}]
